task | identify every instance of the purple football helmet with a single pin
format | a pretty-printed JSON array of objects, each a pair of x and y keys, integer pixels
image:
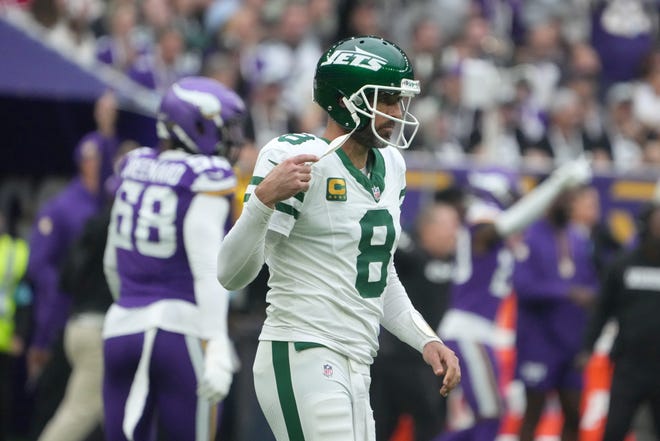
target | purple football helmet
[
  {"x": 203, "y": 116},
  {"x": 496, "y": 185}
]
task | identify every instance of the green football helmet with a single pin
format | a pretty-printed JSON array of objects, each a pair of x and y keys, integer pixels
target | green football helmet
[{"x": 351, "y": 75}]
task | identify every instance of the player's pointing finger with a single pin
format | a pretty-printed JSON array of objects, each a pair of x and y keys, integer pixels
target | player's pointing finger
[{"x": 302, "y": 159}]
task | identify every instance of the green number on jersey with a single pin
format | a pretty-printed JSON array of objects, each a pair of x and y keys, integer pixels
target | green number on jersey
[
  {"x": 295, "y": 138},
  {"x": 375, "y": 249}
]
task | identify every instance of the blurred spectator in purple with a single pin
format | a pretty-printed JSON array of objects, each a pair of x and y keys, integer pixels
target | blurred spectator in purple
[
  {"x": 623, "y": 32},
  {"x": 555, "y": 281},
  {"x": 120, "y": 46},
  {"x": 167, "y": 63},
  {"x": 56, "y": 227}
]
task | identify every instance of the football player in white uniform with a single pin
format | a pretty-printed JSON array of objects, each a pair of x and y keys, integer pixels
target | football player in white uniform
[{"x": 323, "y": 213}]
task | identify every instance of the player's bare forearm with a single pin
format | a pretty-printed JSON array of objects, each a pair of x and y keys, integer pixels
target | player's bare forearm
[{"x": 444, "y": 363}]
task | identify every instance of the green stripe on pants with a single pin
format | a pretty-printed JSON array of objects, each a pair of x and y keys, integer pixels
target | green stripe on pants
[{"x": 285, "y": 390}]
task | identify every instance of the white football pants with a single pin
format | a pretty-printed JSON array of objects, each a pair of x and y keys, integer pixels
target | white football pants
[{"x": 313, "y": 394}]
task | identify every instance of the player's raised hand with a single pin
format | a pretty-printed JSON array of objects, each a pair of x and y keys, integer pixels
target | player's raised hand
[
  {"x": 444, "y": 363},
  {"x": 288, "y": 178},
  {"x": 576, "y": 172}
]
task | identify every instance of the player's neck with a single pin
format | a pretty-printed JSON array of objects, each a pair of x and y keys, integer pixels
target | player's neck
[{"x": 357, "y": 153}]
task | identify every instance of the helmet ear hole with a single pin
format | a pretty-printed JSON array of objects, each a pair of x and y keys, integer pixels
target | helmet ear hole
[{"x": 199, "y": 126}]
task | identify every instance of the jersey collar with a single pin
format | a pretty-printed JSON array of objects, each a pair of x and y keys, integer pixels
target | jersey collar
[{"x": 375, "y": 184}]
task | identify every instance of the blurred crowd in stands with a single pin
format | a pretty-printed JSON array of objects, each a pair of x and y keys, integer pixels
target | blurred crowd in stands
[{"x": 509, "y": 81}]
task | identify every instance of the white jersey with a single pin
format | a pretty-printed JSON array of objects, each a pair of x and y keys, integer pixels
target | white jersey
[{"x": 327, "y": 278}]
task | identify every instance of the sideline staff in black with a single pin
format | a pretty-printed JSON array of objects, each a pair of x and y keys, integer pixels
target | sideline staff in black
[{"x": 631, "y": 295}]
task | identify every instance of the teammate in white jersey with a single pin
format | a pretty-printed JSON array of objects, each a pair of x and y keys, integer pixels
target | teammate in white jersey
[{"x": 323, "y": 212}]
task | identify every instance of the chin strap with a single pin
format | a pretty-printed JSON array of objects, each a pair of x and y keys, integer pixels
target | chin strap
[{"x": 340, "y": 140}]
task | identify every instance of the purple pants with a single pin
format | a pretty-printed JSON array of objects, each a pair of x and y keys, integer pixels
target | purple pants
[
  {"x": 479, "y": 383},
  {"x": 150, "y": 382}
]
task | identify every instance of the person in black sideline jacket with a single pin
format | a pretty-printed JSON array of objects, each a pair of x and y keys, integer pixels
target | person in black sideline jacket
[
  {"x": 401, "y": 381},
  {"x": 631, "y": 295}
]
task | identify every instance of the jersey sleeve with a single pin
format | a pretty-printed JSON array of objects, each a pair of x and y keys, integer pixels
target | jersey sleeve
[
  {"x": 47, "y": 244},
  {"x": 276, "y": 151},
  {"x": 401, "y": 318},
  {"x": 209, "y": 174},
  {"x": 202, "y": 238}
]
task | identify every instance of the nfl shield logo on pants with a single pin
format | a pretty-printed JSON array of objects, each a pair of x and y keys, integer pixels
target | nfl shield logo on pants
[{"x": 327, "y": 370}]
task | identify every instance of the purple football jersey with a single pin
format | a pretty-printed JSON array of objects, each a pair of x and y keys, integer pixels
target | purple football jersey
[
  {"x": 148, "y": 229},
  {"x": 544, "y": 305},
  {"x": 483, "y": 280}
]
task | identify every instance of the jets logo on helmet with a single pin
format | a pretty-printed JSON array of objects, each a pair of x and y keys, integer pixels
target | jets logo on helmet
[
  {"x": 352, "y": 76},
  {"x": 358, "y": 58}
]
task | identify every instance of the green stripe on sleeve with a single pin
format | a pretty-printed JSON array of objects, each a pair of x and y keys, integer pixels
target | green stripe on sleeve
[
  {"x": 285, "y": 390},
  {"x": 281, "y": 206},
  {"x": 287, "y": 209},
  {"x": 256, "y": 180}
]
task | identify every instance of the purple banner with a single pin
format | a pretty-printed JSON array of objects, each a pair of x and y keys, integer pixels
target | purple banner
[
  {"x": 31, "y": 69},
  {"x": 620, "y": 194}
]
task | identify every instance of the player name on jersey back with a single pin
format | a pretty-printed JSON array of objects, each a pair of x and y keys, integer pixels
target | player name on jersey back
[{"x": 153, "y": 170}]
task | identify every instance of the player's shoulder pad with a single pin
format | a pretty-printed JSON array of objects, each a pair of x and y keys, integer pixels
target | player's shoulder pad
[
  {"x": 293, "y": 144},
  {"x": 394, "y": 155},
  {"x": 141, "y": 152},
  {"x": 210, "y": 174}
]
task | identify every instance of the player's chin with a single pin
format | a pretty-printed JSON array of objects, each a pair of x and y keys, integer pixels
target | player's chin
[{"x": 385, "y": 133}]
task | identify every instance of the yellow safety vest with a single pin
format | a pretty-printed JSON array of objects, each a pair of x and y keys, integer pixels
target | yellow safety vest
[{"x": 13, "y": 263}]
